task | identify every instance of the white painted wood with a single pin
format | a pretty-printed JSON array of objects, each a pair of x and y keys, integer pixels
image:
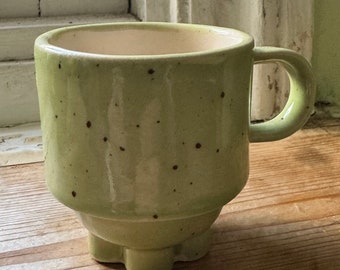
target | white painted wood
[
  {"x": 18, "y": 103},
  {"x": 203, "y": 12},
  {"x": 138, "y": 9},
  {"x": 163, "y": 13},
  {"x": 18, "y": 95},
  {"x": 74, "y": 7},
  {"x": 19, "y": 8},
  {"x": 17, "y": 36},
  {"x": 162, "y": 10},
  {"x": 287, "y": 24},
  {"x": 283, "y": 23},
  {"x": 21, "y": 144},
  {"x": 181, "y": 11}
]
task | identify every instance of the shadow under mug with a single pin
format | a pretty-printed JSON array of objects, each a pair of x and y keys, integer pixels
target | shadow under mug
[{"x": 146, "y": 130}]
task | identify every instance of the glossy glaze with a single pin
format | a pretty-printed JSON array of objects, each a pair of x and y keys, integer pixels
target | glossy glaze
[{"x": 155, "y": 139}]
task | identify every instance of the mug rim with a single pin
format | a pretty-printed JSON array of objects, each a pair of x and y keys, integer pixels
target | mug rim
[{"x": 43, "y": 41}]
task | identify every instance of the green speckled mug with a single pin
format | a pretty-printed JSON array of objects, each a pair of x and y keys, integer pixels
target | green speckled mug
[{"x": 146, "y": 130}]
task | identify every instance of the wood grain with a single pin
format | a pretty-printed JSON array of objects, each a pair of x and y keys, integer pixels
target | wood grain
[{"x": 287, "y": 217}]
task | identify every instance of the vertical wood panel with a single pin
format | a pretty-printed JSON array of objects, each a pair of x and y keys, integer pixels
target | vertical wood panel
[
  {"x": 203, "y": 12},
  {"x": 287, "y": 24},
  {"x": 181, "y": 11},
  {"x": 138, "y": 9},
  {"x": 283, "y": 23},
  {"x": 157, "y": 10},
  {"x": 326, "y": 56}
]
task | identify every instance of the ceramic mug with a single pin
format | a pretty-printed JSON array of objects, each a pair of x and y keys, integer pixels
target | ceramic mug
[{"x": 146, "y": 130}]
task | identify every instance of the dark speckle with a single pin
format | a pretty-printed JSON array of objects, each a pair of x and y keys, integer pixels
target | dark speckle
[
  {"x": 222, "y": 94},
  {"x": 137, "y": 126},
  {"x": 88, "y": 124},
  {"x": 217, "y": 150},
  {"x": 59, "y": 65},
  {"x": 121, "y": 148},
  {"x": 191, "y": 183},
  {"x": 158, "y": 121},
  {"x": 86, "y": 171},
  {"x": 151, "y": 71},
  {"x": 155, "y": 216},
  {"x": 257, "y": 121},
  {"x": 198, "y": 145},
  {"x": 97, "y": 65},
  {"x": 74, "y": 194},
  {"x": 174, "y": 190},
  {"x": 175, "y": 167},
  {"x": 74, "y": 114},
  {"x": 56, "y": 116},
  {"x": 105, "y": 139}
]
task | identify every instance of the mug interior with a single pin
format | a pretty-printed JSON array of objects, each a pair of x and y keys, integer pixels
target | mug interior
[{"x": 146, "y": 39}]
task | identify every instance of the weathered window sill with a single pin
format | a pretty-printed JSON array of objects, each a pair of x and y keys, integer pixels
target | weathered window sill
[{"x": 20, "y": 144}]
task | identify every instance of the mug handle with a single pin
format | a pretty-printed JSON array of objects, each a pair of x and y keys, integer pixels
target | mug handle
[{"x": 300, "y": 102}]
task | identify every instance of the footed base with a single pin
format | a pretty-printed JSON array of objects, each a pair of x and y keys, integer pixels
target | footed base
[
  {"x": 153, "y": 243},
  {"x": 146, "y": 259}
]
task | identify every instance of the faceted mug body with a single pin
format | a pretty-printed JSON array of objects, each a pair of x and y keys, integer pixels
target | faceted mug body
[{"x": 146, "y": 131}]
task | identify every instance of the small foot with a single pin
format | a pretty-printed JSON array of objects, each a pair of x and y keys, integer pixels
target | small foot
[
  {"x": 194, "y": 248},
  {"x": 161, "y": 259},
  {"x": 146, "y": 259},
  {"x": 104, "y": 251}
]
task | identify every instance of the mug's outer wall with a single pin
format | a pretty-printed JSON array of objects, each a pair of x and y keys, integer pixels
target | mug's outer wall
[{"x": 145, "y": 138}]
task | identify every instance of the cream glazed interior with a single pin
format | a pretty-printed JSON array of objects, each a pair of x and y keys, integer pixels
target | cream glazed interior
[{"x": 141, "y": 39}]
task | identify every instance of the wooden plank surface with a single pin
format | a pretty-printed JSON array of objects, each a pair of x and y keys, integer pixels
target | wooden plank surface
[{"x": 287, "y": 217}]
